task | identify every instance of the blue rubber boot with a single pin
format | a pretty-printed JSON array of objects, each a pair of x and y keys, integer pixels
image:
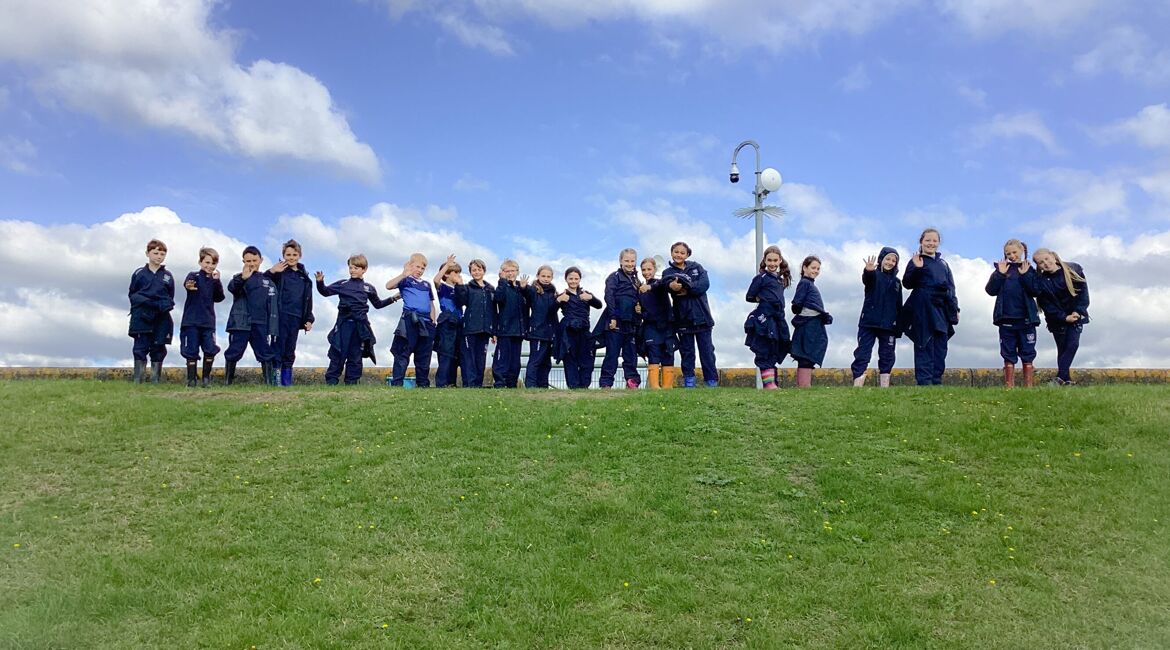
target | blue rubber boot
[
  {"x": 712, "y": 383},
  {"x": 688, "y": 382},
  {"x": 286, "y": 376}
]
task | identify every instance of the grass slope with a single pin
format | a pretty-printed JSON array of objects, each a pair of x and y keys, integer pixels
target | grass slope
[{"x": 371, "y": 518}]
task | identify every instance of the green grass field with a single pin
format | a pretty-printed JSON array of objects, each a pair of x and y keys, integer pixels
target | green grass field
[{"x": 135, "y": 517}]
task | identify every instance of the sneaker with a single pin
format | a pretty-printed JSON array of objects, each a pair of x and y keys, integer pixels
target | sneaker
[
  {"x": 712, "y": 383},
  {"x": 688, "y": 382},
  {"x": 631, "y": 383}
]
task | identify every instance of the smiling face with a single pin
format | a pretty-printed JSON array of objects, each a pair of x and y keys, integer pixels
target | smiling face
[
  {"x": 357, "y": 272},
  {"x": 929, "y": 242},
  {"x": 207, "y": 264},
  {"x": 772, "y": 262},
  {"x": 890, "y": 261},
  {"x": 292, "y": 256},
  {"x": 544, "y": 276},
  {"x": 812, "y": 270},
  {"x": 649, "y": 269},
  {"x": 476, "y": 272},
  {"x": 573, "y": 280},
  {"x": 1046, "y": 262},
  {"x": 629, "y": 262},
  {"x": 679, "y": 255},
  {"x": 509, "y": 271},
  {"x": 1013, "y": 253}
]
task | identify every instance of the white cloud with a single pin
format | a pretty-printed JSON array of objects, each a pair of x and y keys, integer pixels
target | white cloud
[
  {"x": 474, "y": 34},
  {"x": 1128, "y": 51},
  {"x": 976, "y": 96},
  {"x": 161, "y": 63},
  {"x": 1077, "y": 194},
  {"x": 857, "y": 79},
  {"x": 1150, "y": 127},
  {"x": 17, "y": 154},
  {"x": 1157, "y": 185},
  {"x": 734, "y": 23},
  {"x": 1027, "y": 126},
  {"x": 994, "y": 17},
  {"x": 74, "y": 312},
  {"x": 937, "y": 216},
  {"x": 638, "y": 184},
  {"x": 469, "y": 183}
]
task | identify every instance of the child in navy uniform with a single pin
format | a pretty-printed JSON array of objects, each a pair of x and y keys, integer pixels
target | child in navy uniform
[
  {"x": 931, "y": 312},
  {"x": 541, "y": 297},
  {"x": 624, "y": 315},
  {"x": 656, "y": 338},
  {"x": 1064, "y": 296},
  {"x": 448, "y": 327},
  {"x": 295, "y": 291},
  {"x": 809, "y": 339},
  {"x": 259, "y": 293},
  {"x": 576, "y": 345},
  {"x": 152, "y": 297},
  {"x": 1016, "y": 316},
  {"x": 351, "y": 337},
  {"x": 197, "y": 329},
  {"x": 415, "y": 334},
  {"x": 879, "y": 317},
  {"x": 688, "y": 284},
  {"x": 479, "y": 313},
  {"x": 766, "y": 328},
  {"x": 511, "y": 323}
]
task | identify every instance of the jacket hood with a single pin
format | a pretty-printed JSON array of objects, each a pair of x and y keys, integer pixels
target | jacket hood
[{"x": 886, "y": 250}]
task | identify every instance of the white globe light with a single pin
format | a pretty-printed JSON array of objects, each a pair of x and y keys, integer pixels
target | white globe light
[{"x": 770, "y": 179}]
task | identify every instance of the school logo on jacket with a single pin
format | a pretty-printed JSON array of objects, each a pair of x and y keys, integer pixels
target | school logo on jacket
[
  {"x": 1031, "y": 337},
  {"x": 167, "y": 279},
  {"x": 268, "y": 285}
]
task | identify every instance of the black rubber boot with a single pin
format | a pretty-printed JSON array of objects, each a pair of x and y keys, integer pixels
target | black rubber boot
[
  {"x": 267, "y": 373},
  {"x": 155, "y": 372},
  {"x": 229, "y": 372},
  {"x": 208, "y": 362},
  {"x": 192, "y": 367},
  {"x": 139, "y": 370}
]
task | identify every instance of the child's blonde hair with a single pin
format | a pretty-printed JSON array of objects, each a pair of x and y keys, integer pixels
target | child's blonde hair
[
  {"x": 1070, "y": 276},
  {"x": 358, "y": 260},
  {"x": 1016, "y": 242},
  {"x": 536, "y": 285},
  {"x": 509, "y": 262},
  {"x": 207, "y": 251},
  {"x": 293, "y": 244},
  {"x": 417, "y": 257}
]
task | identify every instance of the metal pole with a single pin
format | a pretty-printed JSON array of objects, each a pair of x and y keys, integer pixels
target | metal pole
[{"x": 759, "y": 214}]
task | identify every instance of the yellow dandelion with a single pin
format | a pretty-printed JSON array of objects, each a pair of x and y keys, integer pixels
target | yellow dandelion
[
  {"x": 17, "y": 545},
  {"x": 316, "y": 581},
  {"x": 385, "y": 625},
  {"x": 991, "y": 582},
  {"x": 625, "y": 584}
]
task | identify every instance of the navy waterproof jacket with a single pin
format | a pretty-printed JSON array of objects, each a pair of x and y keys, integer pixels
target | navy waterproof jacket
[
  {"x": 933, "y": 307},
  {"x": 295, "y": 290},
  {"x": 576, "y": 311},
  {"x": 238, "y": 320},
  {"x": 1057, "y": 302},
  {"x": 692, "y": 313},
  {"x": 152, "y": 297},
  {"x": 621, "y": 297},
  {"x": 883, "y": 297},
  {"x": 199, "y": 308},
  {"x": 260, "y": 292},
  {"x": 479, "y": 312},
  {"x": 655, "y": 304},
  {"x": 543, "y": 318},
  {"x": 511, "y": 316},
  {"x": 1025, "y": 290}
]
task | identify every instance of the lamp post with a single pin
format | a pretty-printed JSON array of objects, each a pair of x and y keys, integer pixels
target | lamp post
[{"x": 767, "y": 181}]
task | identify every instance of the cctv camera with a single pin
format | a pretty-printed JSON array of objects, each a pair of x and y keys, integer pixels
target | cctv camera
[{"x": 734, "y": 177}]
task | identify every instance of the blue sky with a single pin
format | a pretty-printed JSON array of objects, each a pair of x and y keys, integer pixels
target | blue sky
[{"x": 562, "y": 132}]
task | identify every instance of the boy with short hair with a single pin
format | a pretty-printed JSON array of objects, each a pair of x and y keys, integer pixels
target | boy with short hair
[
  {"x": 197, "y": 329},
  {"x": 415, "y": 333},
  {"x": 259, "y": 295},
  {"x": 351, "y": 337},
  {"x": 295, "y": 291},
  {"x": 152, "y": 297}
]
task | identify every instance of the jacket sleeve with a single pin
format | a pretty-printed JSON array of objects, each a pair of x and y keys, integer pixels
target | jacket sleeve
[
  {"x": 137, "y": 298},
  {"x": 952, "y": 293},
  {"x": 377, "y": 302},
  {"x": 330, "y": 290},
  {"x": 753, "y": 292},
  {"x": 995, "y": 283},
  {"x": 1029, "y": 282},
  {"x": 799, "y": 296},
  {"x": 595, "y": 302},
  {"x": 611, "y": 282},
  {"x": 868, "y": 280},
  {"x": 235, "y": 286},
  {"x": 912, "y": 278},
  {"x": 700, "y": 286},
  {"x": 309, "y": 318},
  {"x": 217, "y": 294},
  {"x": 1081, "y": 304}
]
